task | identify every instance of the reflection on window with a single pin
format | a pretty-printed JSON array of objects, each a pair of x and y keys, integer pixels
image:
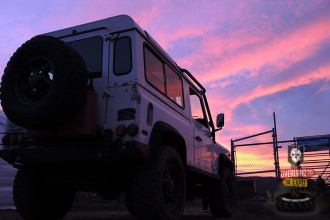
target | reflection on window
[
  {"x": 91, "y": 50},
  {"x": 154, "y": 71},
  {"x": 173, "y": 86},
  {"x": 197, "y": 109},
  {"x": 122, "y": 56}
]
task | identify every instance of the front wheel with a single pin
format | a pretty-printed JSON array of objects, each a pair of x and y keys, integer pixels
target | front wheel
[
  {"x": 158, "y": 189},
  {"x": 221, "y": 195},
  {"x": 36, "y": 199}
]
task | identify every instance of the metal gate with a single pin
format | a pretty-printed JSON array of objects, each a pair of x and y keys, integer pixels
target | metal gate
[{"x": 256, "y": 161}]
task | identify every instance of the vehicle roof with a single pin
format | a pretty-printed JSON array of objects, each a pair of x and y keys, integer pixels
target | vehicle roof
[
  {"x": 112, "y": 24},
  {"x": 115, "y": 24}
]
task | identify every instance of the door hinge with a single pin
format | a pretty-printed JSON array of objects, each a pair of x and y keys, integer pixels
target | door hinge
[
  {"x": 112, "y": 37},
  {"x": 106, "y": 93},
  {"x": 214, "y": 168}
]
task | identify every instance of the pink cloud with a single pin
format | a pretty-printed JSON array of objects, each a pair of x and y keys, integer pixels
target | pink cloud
[
  {"x": 281, "y": 52},
  {"x": 260, "y": 91},
  {"x": 228, "y": 103}
]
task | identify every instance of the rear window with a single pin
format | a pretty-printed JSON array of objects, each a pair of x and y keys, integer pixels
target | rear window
[
  {"x": 163, "y": 78},
  {"x": 174, "y": 86},
  {"x": 122, "y": 56},
  {"x": 91, "y": 50},
  {"x": 154, "y": 71}
]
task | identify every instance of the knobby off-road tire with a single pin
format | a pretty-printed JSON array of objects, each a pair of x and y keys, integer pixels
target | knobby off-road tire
[
  {"x": 221, "y": 195},
  {"x": 129, "y": 201},
  {"x": 158, "y": 189},
  {"x": 36, "y": 200},
  {"x": 305, "y": 203},
  {"x": 44, "y": 83}
]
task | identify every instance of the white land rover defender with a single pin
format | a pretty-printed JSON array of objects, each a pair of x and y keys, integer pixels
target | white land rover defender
[{"x": 102, "y": 107}]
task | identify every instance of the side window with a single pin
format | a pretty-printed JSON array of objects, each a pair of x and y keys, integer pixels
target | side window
[
  {"x": 197, "y": 108},
  {"x": 122, "y": 56},
  {"x": 91, "y": 50},
  {"x": 154, "y": 70},
  {"x": 174, "y": 86}
]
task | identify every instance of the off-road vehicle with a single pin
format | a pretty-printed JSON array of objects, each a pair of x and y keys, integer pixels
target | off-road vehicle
[{"x": 102, "y": 107}]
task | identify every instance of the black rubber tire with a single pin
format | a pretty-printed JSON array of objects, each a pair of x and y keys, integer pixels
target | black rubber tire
[
  {"x": 296, "y": 205},
  {"x": 35, "y": 200},
  {"x": 158, "y": 190},
  {"x": 221, "y": 195},
  {"x": 44, "y": 84},
  {"x": 129, "y": 201}
]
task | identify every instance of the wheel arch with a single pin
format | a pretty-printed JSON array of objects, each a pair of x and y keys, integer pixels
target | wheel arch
[
  {"x": 165, "y": 134},
  {"x": 224, "y": 161}
]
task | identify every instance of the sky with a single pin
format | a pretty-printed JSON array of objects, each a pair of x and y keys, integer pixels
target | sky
[{"x": 253, "y": 57}]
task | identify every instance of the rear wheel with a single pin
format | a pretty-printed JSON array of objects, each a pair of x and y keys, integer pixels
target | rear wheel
[
  {"x": 158, "y": 189},
  {"x": 36, "y": 199},
  {"x": 130, "y": 204}
]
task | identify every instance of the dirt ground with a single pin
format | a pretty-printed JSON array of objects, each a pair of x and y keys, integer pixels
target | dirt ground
[{"x": 246, "y": 210}]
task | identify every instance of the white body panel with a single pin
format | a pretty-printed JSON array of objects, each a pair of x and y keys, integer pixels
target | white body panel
[{"x": 131, "y": 90}]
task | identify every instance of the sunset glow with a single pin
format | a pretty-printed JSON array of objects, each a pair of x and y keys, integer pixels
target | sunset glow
[{"x": 254, "y": 57}]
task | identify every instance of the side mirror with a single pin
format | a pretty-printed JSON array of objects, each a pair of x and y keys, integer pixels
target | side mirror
[{"x": 220, "y": 120}]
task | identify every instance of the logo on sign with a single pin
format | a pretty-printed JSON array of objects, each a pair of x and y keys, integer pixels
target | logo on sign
[{"x": 295, "y": 155}]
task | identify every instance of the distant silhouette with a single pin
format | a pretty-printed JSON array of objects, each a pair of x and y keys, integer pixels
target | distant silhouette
[{"x": 320, "y": 184}]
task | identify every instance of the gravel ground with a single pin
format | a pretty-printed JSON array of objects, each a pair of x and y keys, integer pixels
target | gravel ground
[{"x": 246, "y": 210}]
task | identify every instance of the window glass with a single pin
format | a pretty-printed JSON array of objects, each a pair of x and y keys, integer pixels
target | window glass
[
  {"x": 122, "y": 56},
  {"x": 91, "y": 50},
  {"x": 154, "y": 71},
  {"x": 173, "y": 86},
  {"x": 197, "y": 108}
]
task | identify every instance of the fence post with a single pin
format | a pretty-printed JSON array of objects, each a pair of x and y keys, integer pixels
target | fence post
[
  {"x": 275, "y": 146},
  {"x": 232, "y": 155}
]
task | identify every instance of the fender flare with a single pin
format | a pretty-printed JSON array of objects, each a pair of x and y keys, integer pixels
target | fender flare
[
  {"x": 224, "y": 161},
  {"x": 160, "y": 136}
]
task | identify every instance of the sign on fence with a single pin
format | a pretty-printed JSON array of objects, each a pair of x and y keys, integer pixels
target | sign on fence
[
  {"x": 295, "y": 182},
  {"x": 315, "y": 143},
  {"x": 297, "y": 173}
]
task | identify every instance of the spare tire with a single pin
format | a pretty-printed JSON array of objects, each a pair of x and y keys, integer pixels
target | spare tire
[
  {"x": 44, "y": 84},
  {"x": 305, "y": 203}
]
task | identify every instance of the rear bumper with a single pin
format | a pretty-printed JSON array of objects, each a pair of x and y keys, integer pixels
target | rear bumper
[{"x": 76, "y": 153}]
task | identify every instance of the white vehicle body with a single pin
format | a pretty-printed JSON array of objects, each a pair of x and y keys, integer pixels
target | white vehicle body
[{"x": 138, "y": 102}]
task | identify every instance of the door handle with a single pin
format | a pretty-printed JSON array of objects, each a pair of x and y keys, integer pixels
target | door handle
[{"x": 198, "y": 138}]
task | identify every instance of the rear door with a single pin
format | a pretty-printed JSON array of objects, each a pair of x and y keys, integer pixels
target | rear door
[{"x": 94, "y": 49}]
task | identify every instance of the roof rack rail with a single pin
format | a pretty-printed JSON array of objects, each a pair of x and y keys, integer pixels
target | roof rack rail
[{"x": 193, "y": 79}]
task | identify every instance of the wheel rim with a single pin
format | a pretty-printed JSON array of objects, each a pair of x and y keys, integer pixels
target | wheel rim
[
  {"x": 170, "y": 185},
  {"x": 34, "y": 81},
  {"x": 229, "y": 192}
]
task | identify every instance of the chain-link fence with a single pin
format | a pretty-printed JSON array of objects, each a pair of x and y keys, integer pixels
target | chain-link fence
[
  {"x": 316, "y": 157},
  {"x": 256, "y": 165},
  {"x": 257, "y": 159}
]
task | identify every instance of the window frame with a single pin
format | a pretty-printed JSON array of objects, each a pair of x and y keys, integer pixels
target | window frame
[
  {"x": 181, "y": 81},
  {"x": 114, "y": 57},
  {"x": 202, "y": 104},
  {"x": 164, "y": 62},
  {"x": 163, "y": 69}
]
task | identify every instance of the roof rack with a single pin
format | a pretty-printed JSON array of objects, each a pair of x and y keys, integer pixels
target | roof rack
[{"x": 193, "y": 79}]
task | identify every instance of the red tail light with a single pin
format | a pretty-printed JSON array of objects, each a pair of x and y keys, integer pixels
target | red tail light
[
  {"x": 6, "y": 140},
  {"x": 10, "y": 139},
  {"x": 132, "y": 129},
  {"x": 121, "y": 130}
]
